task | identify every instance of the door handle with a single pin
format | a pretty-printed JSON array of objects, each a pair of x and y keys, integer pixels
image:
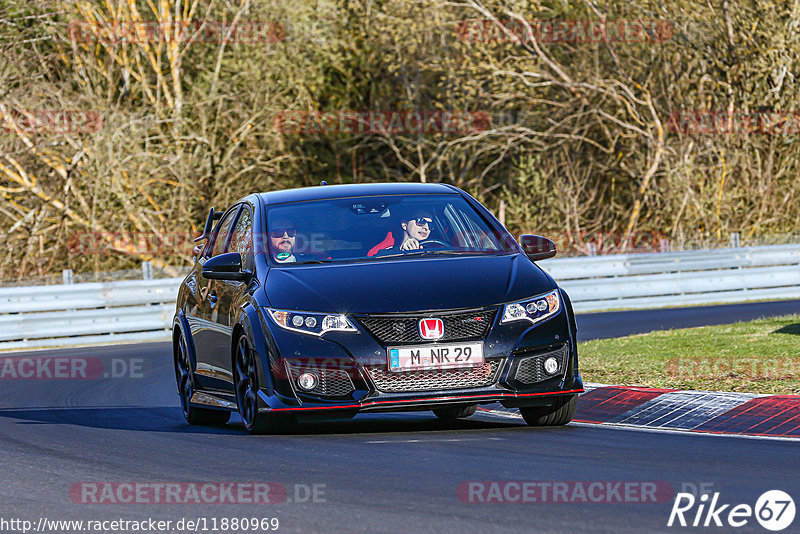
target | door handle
[{"x": 212, "y": 298}]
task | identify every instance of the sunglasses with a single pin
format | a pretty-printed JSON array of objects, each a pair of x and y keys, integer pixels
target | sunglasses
[
  {"x": 421, "y": 221},
  {"x": 278, "y": 232}
]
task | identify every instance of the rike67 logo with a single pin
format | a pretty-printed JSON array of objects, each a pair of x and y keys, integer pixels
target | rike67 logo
[{"x": 774, "y": 510}]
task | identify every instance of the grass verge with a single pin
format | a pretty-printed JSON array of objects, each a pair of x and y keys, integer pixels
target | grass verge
[{"x": 761, "y": 356}]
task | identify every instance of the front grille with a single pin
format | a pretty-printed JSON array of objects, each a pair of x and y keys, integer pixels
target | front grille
[
  {"x": 459, "y": 326},
  {"x": 332, "y": 382},
  {"x": 530, "y": 369},
  {"x": 472, "y": 377}
]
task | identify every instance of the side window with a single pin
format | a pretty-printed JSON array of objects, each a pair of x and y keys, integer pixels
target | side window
[
  {"x": 468, "y": 233},
  {"x": 242, "y": 239},
  {"x": 222, "y": 234}
]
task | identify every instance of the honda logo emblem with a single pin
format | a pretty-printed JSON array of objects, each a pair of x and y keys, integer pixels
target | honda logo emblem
[{"x": 431, "y": 329}]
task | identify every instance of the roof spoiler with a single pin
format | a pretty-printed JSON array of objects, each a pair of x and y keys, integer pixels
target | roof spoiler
[{"x": 212, "y": 216}]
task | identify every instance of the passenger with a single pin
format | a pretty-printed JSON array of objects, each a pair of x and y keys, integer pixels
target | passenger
[{"x": 282, "y": 235}]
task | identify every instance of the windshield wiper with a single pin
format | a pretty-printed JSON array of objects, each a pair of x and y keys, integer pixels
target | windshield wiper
[
  {"x": 432, "y": 252},
  {"x": 308, "y": 262},
  {"x": 408, "y": 254}
]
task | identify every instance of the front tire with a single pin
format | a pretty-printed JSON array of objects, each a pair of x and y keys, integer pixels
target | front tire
[
  {"x": 186, "y": 388},
  {"x": 559, "y": 413},
  {"x": 245, "y": 377}
]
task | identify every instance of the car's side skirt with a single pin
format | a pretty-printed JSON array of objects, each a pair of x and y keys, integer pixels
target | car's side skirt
[{"x": 210, "y": 400}]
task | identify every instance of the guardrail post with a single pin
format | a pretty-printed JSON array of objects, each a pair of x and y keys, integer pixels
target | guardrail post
[
  {"x": 735, "y": 240},
  {"x": 664, "y": 245},
  {"x": 66, "y": 276},
  {"x": 591, "y": 249},
  {"x": 147, "y": 270}
]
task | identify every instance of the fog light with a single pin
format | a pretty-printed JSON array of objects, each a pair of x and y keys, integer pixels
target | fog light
[
  {"x": 550, "y": 366},
  {"x": 307, "y": 381}
]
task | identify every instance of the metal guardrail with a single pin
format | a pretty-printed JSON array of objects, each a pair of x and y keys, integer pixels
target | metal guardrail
[
  {"x": 74, "y": 314},
  {"x": 630, "y": 281}
]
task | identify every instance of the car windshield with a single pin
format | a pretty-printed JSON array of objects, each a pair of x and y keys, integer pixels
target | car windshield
[{"x": 379, "y": 227}]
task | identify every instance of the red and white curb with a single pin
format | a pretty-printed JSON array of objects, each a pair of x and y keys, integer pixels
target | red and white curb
[{"x": 738, "y": 414}]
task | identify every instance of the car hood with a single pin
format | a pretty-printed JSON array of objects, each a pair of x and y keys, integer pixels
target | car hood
[{"x": 404, "y": 285}]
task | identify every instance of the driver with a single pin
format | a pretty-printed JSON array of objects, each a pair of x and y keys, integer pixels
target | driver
[
  {"x": 414, "y": 233},
  {"x": 416, "y": 228}
]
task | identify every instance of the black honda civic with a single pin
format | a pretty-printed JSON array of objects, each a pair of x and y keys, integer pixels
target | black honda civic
[{"x": 341, "y": 299}]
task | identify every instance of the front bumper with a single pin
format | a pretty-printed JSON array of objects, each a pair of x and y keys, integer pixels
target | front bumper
[{"x": 360, "y": 355}]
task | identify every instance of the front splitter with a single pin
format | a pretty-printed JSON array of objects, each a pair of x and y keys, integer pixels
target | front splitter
[{"x": 399, "y": 404}]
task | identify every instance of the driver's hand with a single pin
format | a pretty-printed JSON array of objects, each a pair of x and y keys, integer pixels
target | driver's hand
[{"x": 411, "y": 244}]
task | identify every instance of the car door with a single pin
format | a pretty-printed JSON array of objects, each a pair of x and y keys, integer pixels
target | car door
[
  {"x": 229, "y": 293},
  {"x": 209, "y": 335}
]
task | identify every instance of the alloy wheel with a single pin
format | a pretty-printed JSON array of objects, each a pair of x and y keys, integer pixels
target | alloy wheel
[{"x": 246, "y": 382}]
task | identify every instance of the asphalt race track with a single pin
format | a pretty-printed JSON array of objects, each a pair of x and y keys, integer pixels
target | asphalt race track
[{"x": 376, "y": 473}]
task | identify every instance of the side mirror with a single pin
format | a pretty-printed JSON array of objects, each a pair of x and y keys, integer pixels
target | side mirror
[
  {"x": 537, "y": 247},
  {"x": 226, "y": 267}
]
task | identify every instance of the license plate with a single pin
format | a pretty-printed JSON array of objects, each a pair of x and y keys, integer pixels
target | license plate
[{"x": 436, "y": 356}]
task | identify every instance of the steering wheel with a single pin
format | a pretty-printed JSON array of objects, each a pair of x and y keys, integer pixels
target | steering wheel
[{"x": 441, "y": 244}]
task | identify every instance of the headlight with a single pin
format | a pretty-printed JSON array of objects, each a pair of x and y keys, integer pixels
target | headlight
[
  {"x": 315, "y": 324},
  {"x": 534, "y": 310}
]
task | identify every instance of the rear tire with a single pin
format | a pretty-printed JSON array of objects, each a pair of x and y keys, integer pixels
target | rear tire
[
  {"x": 455, "y": 412},
  {"x": 186, "y": 388},
  {"x": 559, "y": 413},
  {"x": 245, "y": 377}
]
